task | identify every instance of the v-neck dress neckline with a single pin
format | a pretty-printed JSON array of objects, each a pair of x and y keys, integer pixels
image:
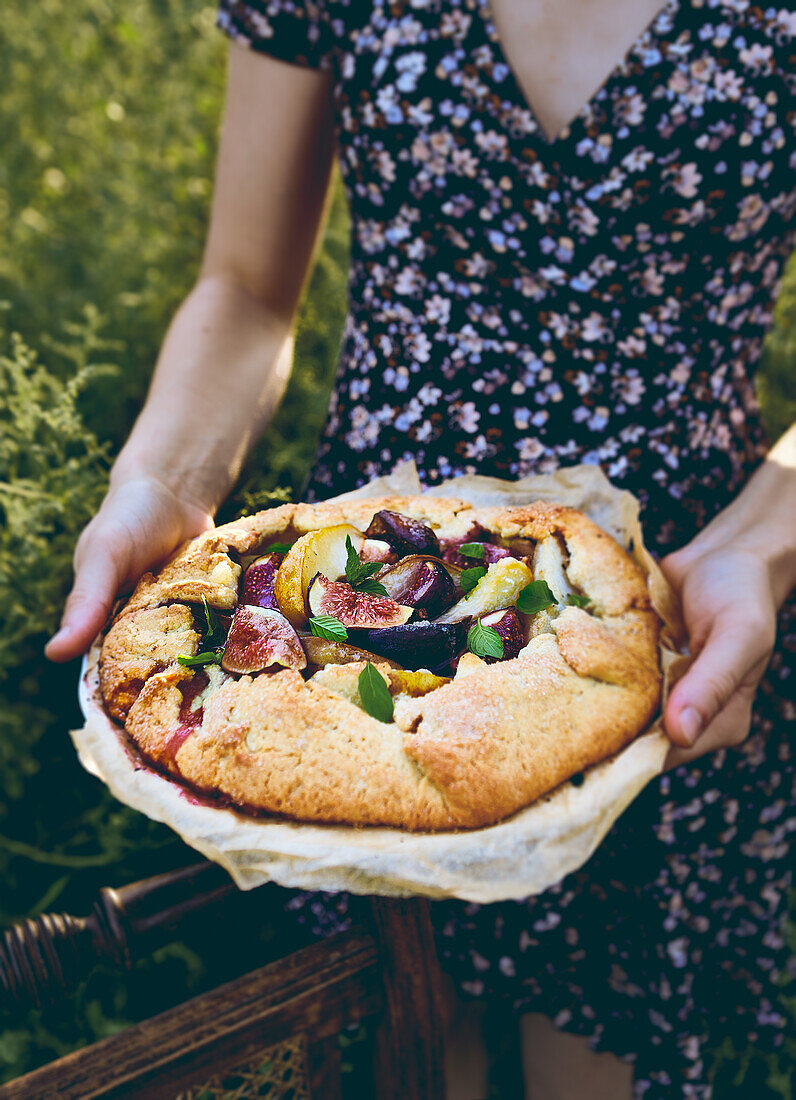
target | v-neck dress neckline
[
  {"x": 650, "y": 36},
  {"x": 517, "y": 306}
]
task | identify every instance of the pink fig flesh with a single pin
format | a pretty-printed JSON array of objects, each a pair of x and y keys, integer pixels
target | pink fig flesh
[
  {"x": 509, "y": 626},
  {"x": 261, "y": 638},
  {"x": 257, "y": 589},
  {"x": 354, "y": 609}
]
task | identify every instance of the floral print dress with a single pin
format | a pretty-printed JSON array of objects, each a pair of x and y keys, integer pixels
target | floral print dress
[{"x": 519, "y": 303}]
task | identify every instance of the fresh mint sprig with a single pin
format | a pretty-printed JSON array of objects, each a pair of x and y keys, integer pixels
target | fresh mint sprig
[
  {"x": 375, "y": 694},
  {"x": 469, "y": 578},
  {"x": 472, "y": 550},
  {"x": 535, "y": 597},
  {"x": 578, "y": 601},
  {"x": 484, "y": 641},
  {"x": 213, "y": 638},
  {"x": 214, "y": 635},
  {"x": 359, "y": 574},
  {"x": 326, "y": 626},
  {"x": 212, "y": 657}
]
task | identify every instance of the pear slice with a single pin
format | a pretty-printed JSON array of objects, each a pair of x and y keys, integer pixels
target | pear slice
[
  {"x": 321, "y": 551},
  {"x": 325, "y": 651},
  {"x": 549, "y": 565},
  {"x": 415, "y": 682},
  {"x": 497, "y": 589}
]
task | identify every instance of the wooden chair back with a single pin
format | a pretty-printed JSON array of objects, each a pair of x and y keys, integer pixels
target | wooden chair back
[{"x": 272, "y": 1033}]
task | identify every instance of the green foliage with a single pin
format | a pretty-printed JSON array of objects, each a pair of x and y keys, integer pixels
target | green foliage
[
  {"x": 108, "y": 113},
  {"x": 52, "y": 478},
  {"x": 777, "y": 382},
  {"x": 108, "y": 118}
]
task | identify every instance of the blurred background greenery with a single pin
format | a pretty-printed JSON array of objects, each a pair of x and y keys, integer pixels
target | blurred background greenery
[{"x": 108, "y": 119}]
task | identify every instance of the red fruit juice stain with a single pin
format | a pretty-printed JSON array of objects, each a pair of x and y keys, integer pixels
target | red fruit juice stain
[{"x": 190, "y": 720}]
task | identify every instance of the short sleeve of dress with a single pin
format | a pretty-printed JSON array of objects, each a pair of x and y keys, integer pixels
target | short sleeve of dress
[{"x": 290, "y": 30}]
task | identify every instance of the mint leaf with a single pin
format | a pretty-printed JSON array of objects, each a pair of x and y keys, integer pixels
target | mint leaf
[
  {"x": 578, "y": 601},
  {"x": 375, "y": 694},
  {"x": 326, "y": 626},
  {"x": 536, "y": 596},
  {"x": 472, "y": 550},
  {"x": 214, "y": 635},
  {"x": 372, "y": 588},
  {"x": 470, "y": 577},
  {"x": 353, "y": 564},
  {"x": 484, "y": 641},
  {"x": 207, "y": 658},
  {"x": 357, "y": 572},
  {"x": 278, "y": 548}
]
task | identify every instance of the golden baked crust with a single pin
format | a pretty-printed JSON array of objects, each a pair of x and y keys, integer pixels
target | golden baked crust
[
  {"x": 463, "y": 751},
  {"x": 138, "y": 645}
]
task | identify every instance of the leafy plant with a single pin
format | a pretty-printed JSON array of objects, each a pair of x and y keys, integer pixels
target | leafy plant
[{"x": 108, "y": 119}]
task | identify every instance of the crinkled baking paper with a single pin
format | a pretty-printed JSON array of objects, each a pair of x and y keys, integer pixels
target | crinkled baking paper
[{"x": 518, "y": 857}]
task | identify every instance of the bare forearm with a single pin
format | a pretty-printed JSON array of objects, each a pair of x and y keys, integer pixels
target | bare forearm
[
  {"x": 221, "y": 372},
  {"x": 762, "y": 518}
]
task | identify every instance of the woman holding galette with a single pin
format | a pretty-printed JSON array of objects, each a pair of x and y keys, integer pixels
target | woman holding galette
[{"x": 568, "y": 225}]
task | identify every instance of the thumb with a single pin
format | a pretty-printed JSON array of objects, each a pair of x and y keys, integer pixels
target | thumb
[
  {"x": 97, "y": 579},
  {"x": 733, "y": 648}
]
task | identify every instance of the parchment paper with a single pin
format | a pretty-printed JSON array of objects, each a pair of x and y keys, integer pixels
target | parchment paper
[{"x": 518, "y": 857}]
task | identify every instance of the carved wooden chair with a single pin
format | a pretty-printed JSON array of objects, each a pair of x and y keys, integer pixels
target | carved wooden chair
[{"x": 271, "y": 1033}]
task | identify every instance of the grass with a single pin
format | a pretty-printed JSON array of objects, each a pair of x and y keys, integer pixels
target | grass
[{"x": 108, "y": 118}]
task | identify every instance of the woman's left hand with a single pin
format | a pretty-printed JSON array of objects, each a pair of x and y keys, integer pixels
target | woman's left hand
[
  {"x": 730, "y": 612},
  {"x": 731, "y": 580}
]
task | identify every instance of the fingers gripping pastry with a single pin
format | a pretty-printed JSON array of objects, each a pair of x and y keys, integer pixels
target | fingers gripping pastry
[{"x": 413, "y": 662}]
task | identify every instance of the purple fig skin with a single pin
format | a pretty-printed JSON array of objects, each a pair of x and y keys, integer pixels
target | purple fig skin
[
  {"x": 257, "y": 588},
  {"x": 509, "y": 626},
  {"x": 260, "y": 638},
  {"x": 405, "y": 535},
  {"x": 354, "y": 609},
  {"x": 492, "y": 552},
  {"x": 322, "y": 652},
  {"x": 416, "y": 645},
  {"x": 422, "y": 583}
]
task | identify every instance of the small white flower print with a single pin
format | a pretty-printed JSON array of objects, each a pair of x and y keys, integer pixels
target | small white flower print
[
  {"x": 684, "y": 179},
  {"x": 410, "y": 66}
]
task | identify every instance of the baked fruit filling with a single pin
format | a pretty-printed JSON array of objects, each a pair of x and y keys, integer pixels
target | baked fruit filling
[
  {"x": 486, "y": 654},
  {"x": 394, "y": 593}
]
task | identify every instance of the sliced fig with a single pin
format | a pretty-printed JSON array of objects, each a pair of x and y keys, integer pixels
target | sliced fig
[
  {"x": 259, "y": 580},
  {"x": 323, "y": 651},
  {"x": 509, "y": 626},
  {"x": 352, "y": 608},
  {"x": 417, "y": 645},
  {"x": 498, "y": 588},
  {"x": 376, "y": 550},
  {"x": 260, "y": 638},
  {"x": 404, "y": 534},
  {"x": 420, "y": 582},
  {"x": 321, "y": 551},
  {"x": 492, "y": 552}
]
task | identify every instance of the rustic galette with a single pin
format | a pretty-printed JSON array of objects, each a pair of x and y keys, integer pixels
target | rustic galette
[{"x": 414, "y": 662}]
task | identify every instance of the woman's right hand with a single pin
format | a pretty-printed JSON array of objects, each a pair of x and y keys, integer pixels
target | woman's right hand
[
  {"x": 228, "y": 351},
  {"x": 141, "y": 521}
]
